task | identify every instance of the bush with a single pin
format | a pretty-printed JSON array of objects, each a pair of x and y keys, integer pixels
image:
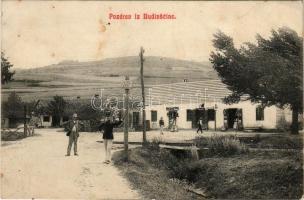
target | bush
[
  {"x": 222, "y": 145},
  {"x": 154, "y": 144},
  {"x": 283, "y": 125}
]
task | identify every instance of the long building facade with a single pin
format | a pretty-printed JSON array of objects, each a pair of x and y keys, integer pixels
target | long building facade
[{"x": 185, "y": 100}]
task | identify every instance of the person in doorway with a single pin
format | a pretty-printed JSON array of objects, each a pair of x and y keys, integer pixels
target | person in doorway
[
  {"x": 161, "y": 125},
  {"x": 200, "y": 125},
  {"x": 73, "y": 127},
  {"x": 107, "y": 128}
]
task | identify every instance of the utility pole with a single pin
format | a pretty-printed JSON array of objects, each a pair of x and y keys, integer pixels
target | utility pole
[
  {"x": 215, "y": 109},
  {"x": 25, "y": 122},
  {"x": 141, "y": 56},
  {"x": 127, "y": 86}
]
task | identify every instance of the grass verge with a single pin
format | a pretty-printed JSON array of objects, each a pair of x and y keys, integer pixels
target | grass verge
[
  {"x": 149, "y": 178},
  {"x": 251, "y": 175}
]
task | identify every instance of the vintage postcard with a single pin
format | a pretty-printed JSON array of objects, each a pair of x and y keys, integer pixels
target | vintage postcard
[{"x": 151, "y": 99}]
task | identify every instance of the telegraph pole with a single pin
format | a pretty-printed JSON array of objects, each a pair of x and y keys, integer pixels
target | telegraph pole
[
  {"x": 141, "y": 56},
  {"x": 25, "y": 121},
  {"x": 126, "y": 119}
]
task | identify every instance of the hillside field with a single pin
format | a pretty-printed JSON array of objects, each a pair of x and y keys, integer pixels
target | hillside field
[{"x": 85, "y": 79}]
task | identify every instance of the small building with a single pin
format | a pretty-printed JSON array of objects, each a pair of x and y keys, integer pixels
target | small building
[
  {"x": 186, "y": 98},
  {"x": 46, "y": 120}
]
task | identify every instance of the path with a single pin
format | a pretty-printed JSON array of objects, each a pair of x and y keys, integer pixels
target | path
[{"x": 36, "y": 167}]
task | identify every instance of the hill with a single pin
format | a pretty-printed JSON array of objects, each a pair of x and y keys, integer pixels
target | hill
[{"x": 84, "y": 79}]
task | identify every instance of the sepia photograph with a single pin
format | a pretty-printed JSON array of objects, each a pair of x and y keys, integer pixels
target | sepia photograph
[{"x": 151, "y": 100}]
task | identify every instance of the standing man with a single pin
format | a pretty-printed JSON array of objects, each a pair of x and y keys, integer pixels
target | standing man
[
  {"x": 161, "y": 125},
  {"x": 107, "y": 128},
  {"x": 200, "y": 125},
  {"x": 73, "y": 127}
]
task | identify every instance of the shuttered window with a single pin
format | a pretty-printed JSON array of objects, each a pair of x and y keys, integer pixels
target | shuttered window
[
  {"x": 211, "y": 114},
  {"x": 259, "y": 113},
  {"x": 190, "y": 115},
  {"x": 153, "y": 115}
]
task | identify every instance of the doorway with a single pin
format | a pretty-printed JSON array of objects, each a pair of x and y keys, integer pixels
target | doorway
[
  {"x": 231, "y": 117},
  {"x": 172, "y": 113},
  {"x": 135, "y": 120},
  {"x": 203, "y": 114}
]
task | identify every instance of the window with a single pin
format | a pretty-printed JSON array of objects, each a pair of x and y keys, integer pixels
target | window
[
  {"x": 189, "y": 115},
  {"x": 153, "y": 115},
  {"x": 211, "y": 114},
  {"x": 259, "y": 113},
  {"x": 46, "y": 118}
]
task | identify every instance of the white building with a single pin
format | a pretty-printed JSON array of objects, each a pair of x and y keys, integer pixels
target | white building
[
  {"x": 46, "y": 120},
  {"x": 187, "y": 97}
]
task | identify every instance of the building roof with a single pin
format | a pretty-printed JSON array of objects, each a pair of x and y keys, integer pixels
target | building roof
[{"x": 187, "y": 92}]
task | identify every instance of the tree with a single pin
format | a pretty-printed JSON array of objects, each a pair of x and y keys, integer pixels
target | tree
[
  {"x": 13, "y": 107},
  {"x": 57, "y": 108},
  {"x": 268, "y": 72},
  {"x": 6, "y": 74}
]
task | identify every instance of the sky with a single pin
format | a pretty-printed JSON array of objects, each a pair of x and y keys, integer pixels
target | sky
[{"x": 40, "y": 33}]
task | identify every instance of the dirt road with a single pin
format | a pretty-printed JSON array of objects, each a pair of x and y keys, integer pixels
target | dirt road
[{"x": 36, "y": 167}]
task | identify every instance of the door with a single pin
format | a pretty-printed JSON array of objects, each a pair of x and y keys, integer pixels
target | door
[
  {"x": 239, "y": 119},
  {"x": 201, "y": 113},
  {"x": 194, "y": 118},
  {"x": 231, "y": 117},
  {"x": 172, "y": 117},
  {"x": 135, "y": 120}
]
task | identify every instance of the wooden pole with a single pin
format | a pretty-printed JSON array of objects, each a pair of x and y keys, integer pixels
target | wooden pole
[
  {"x": 24, "y": 122},
  {"x": 143, "y": 94},
  {"x": 214, "y": 119},
  {"x": 126, "y": 122}
]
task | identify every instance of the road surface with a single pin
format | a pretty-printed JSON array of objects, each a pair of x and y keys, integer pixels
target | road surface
[{"x": 36, "y": 167}]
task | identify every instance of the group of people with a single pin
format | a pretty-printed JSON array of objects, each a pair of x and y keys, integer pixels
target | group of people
[
  {"x": 172, "y": 123},
  {"x": 106, "y": 126},
  {"x": 73, "y": 128}
]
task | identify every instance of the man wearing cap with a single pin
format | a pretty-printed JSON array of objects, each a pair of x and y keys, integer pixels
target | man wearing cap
[{"x": 73, "y": 127}]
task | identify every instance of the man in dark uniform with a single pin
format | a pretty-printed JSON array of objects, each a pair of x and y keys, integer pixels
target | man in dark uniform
[
  {"x": 200, "y": 125},
  {"x": 107, "y": 128}
]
